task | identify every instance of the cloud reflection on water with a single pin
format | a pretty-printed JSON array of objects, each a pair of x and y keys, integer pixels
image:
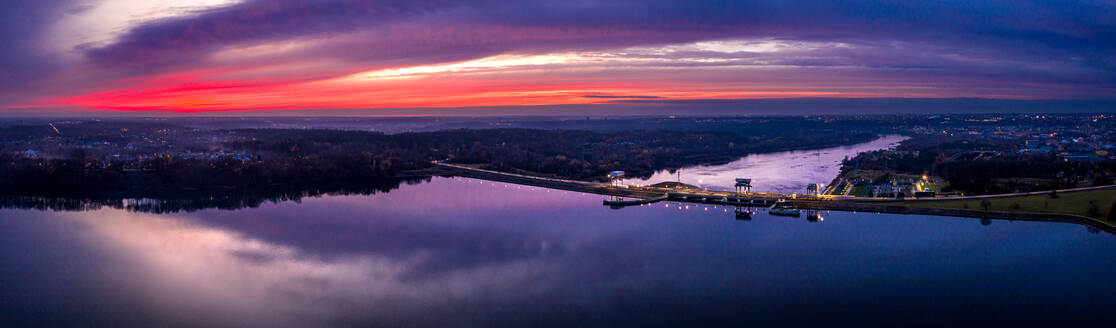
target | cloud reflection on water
[{"x": 468, "y": 252}]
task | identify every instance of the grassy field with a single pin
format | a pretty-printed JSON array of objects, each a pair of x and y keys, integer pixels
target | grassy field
[{"x": 1096, "y": 204}]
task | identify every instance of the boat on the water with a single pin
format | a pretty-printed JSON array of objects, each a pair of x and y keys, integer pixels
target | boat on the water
[
  {"x": 638, "y": 201},
  {"x": 781, "y": 208},
  {"x": 743, "y": 213}
]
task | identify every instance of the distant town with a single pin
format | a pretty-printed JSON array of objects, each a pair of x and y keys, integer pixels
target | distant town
[{"x": 986, "y": 154}]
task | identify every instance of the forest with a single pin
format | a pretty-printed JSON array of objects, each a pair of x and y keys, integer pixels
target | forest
[{"x": 258, "y": 159}]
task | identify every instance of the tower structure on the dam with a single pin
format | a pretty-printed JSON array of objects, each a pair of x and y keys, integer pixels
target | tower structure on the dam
[
  {"x": 616, "y": 178},
  {"x": 743, "y": 185},
  {"x": 813, "y": 189}
]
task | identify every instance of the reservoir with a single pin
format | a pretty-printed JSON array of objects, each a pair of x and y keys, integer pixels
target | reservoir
[
  {"x": 465, "y": 252},
  {"x": 781, "y": 172},
  {"x": 457, "y": 251}
]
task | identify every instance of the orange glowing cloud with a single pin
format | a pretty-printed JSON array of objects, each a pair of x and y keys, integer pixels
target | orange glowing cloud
[{"x": 550, "y": 79}]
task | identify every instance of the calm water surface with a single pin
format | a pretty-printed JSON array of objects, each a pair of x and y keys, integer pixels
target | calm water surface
[
  {"x": 460, "y": 252},
  {"x": 784, "y": 172}
]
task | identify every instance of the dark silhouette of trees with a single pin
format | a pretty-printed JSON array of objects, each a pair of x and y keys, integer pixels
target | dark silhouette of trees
[{"x": 285, "y": 158}]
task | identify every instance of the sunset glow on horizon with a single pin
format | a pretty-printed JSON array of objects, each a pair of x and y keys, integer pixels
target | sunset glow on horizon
[{"x": 493, "y": 81}]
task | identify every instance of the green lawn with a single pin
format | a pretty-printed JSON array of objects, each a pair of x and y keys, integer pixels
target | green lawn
[{"x": 1090, "y": 203}]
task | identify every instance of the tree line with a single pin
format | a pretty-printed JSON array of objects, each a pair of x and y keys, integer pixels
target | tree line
[{"x": 316, "y": 158}]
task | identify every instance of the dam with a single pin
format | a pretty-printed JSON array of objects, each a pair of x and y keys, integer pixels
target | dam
[{"x": 677, "y": 192}]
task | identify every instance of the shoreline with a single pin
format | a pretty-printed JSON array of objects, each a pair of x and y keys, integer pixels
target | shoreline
[
  {"x": 811, "y": 203},
  {"x": 721, "y": 175}
]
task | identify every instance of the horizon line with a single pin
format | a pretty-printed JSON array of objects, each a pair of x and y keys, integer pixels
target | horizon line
[{"x": 788, "y": 106}]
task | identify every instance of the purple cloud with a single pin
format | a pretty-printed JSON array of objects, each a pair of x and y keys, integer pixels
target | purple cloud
[
  {"x": 1061, "y": 46},
  {"x": 22, "y": 59},
  {"x": 434, "y": 31}
]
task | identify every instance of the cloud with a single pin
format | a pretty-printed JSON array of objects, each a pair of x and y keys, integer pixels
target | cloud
[
  {"x": 488, "y": 27},
  {"x": 621, "y": 97},
  {"x": 23, "y": 58},
  {"x": 883, "y": 48}
]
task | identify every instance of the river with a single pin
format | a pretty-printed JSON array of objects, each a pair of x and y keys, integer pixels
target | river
[
  {"x": 464, "y": 252},
  {"x": 781, "y": 172}
]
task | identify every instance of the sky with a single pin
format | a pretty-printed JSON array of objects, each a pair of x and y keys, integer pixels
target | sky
[{"x": 414, "y": 56}]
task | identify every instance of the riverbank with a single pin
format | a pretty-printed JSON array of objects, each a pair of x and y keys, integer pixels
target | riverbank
[
  {"x": 1095, "y": 203},
  {"x": 920, "y": 207}
]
